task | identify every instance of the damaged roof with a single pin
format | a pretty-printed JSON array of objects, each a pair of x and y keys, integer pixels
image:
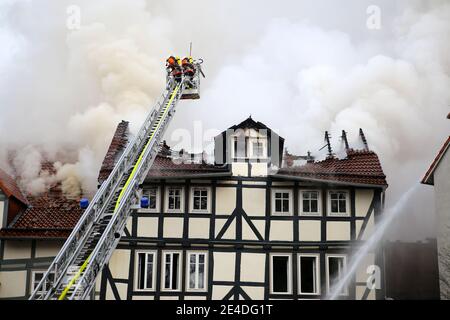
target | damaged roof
[
  {"x": 49, "y": 215},
  {"x": 361, "y": 167},
  {"x": 9, "y": 186}
]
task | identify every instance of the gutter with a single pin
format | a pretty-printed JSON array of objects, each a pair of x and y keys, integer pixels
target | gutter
[{"x": 333, "y": 182}]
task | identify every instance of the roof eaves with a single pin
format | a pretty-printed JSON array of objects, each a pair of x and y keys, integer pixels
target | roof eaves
[{"x": 428, "y": 178}]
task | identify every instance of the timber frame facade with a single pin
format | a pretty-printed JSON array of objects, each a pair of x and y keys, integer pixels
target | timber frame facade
[{"x": 245, "y": 227}]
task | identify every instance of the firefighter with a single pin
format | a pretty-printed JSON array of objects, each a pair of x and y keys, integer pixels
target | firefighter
[
  {"x": 174, "y": 67},
  {"x": 188, "y": 66}
]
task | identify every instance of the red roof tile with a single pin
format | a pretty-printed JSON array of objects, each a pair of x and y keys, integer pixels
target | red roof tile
[
  {"x": 429, "y": 178},
  {"x": 359, "y": 167},
  {"x": 9, "y": 186},
  {"x": 165, "y": 167},
  {"x": 49, "y": 215}
]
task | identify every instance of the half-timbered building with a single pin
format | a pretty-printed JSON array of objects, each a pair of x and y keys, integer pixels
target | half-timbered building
[
  {"x": 249, "y": 226},
  {"x": 255, "y": 224}
]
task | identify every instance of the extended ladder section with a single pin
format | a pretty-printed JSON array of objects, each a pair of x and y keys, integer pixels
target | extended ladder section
[{"x": 73, "y": 273}]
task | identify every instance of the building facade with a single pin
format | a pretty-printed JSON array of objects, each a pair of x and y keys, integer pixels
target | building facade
[
  {"x": 438, "y": 175},
  {"x": 250, "y": 226}
]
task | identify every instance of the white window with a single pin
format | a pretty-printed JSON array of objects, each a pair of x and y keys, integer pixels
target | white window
[
  {"x": 171, "y": 271},
  {"x": 37, "y": 277},
  {"x": 335, "y": 269},
  {"x": 309, "y": 274},
  {"x": 280, "y": 273},
  {"x": 258, "y": 148},
  {"x": 200, "y": 199},
  {"x": 310, "y": 203},
  {"x": 174, "y": 199},
  {"x": 240, "y": 147},
  {"x": 153, "y": 198},
  {"x": 196, "y": 280},
  {"x": 281, "y": 202},
  {"x": 146, "y": 262},
  {"x": 338, "y": 203}
]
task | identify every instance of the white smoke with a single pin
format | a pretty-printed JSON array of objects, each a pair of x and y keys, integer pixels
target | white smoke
[{"x": 299, "y": 68}]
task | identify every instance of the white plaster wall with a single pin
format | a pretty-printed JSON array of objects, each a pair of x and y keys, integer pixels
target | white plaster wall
[
  {"x": 17, "y": 250},
  {"x": 219, "y": 292},
  {"x": 253, "y": 267},
  {"x": 2, "y": 209},
  {"x": 254, "y": 201},
  {"x": 199, "y": 228},
  {"x": 12, "y": 284},
  {"x": 224, "y": 266},
  {"x": 173, "y": 228},
  {"x": 338, "y": 231},
  {"x": 147, "y": 227},
  {"x": 225, "y": 200},
  {"x": 230, "y": 233},
  {"x": 256, "y": 293},
  {"x": 48, "y": 248},
  {"x": 119, "y": 263},
  {"x": 363, "y": 199},
  {"x": 239, "y": 169},
  {"x": 259, "y": 170},
  {"x": 309, "y": 230},
  {"x": 247, "y": 232},
  {"x": 281, "y": 230}
]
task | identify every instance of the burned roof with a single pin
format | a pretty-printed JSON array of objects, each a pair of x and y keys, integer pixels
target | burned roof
[
  {"x": 49, "y": 215},
  {"x": 9, "y": 186},
  {"x": 361, "y": 167}
]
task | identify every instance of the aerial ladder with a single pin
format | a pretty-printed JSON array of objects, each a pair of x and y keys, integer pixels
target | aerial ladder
[{"x": 73, "y": 273}]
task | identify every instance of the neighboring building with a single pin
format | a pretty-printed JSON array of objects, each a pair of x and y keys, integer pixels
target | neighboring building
[
  {"x": 245, "y": 227},
  {"x": 34, "y": 229},
  {"x": 438, "y": 175}
]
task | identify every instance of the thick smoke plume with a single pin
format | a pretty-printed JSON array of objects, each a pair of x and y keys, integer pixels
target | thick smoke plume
[{"x": 301, "y": 69}]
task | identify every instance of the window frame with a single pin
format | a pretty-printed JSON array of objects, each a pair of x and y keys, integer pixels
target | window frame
[
  {"x": 208, "y": 200},
  {"x": 327, "y": 271},
  {"x": 347, "y": 204},
  {"x": 33, "y": 278},
  {"x": 136, "y": 280},
  {"x": 188, "y": 265},
  {"x": 158, "y": 199},
  {"x": 261, "y": 140},
  {"x": 163, "y": 271},
  {"x": 167, "y": 210},
  {"x": 273, "y": 204},
  {"x": 317, "y": 280},
  {"x": 234, "y": 139},
  {"x": 319, "y": 203},
  {"x": 289, "y": 275}
]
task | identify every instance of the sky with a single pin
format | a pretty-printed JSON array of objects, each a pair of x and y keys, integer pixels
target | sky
[{"x": 71, "y": 70}]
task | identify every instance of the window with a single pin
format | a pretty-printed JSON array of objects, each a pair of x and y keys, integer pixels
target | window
[
  {"x": 152, "y": 195},
  {"x": 310, "y": 202},
  {"x": 146, "y": 262},
  {"x": 338, "y": 203},
  {"x": 171, "y": 277},
  {"x": 309, "y": 274},
  {"x": 240, "y": 147},
  {"x": 281, "y": 200},
  {"x": 37, "y": 277},
  {"x": 336, "y": 266},
  {"x": 258, "y": 149},
  {"x": 197, "y": 271},
  {"x": 200, "y": 201},
  {"x": 280, "y": 274},
  {"x": 174, "y": 199}
]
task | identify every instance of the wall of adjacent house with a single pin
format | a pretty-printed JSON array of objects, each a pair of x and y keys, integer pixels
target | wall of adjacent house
[
  {"x": 240, "y": 233},
  {"x": 2, "y": 209},
  {"x": 18, "y": 260},
  {"x": 442, "y": 198}
]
